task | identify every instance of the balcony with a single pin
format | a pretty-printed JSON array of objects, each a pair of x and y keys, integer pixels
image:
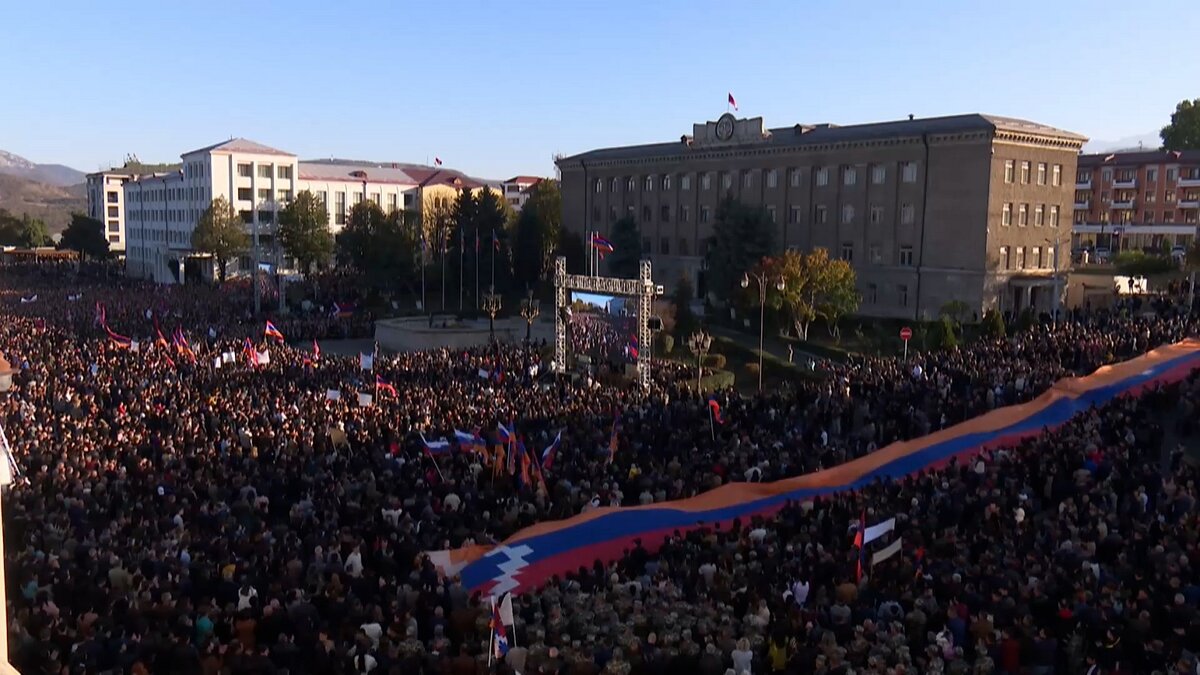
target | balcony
[
  {"x": 1083, "y": 184},
  {"x": 1190, "y": 204},
  {"x": 1189, "y": 182},
  {"x": 1083, "y": 205},
  {"x": 1124, "y": 184},
  {"x": 1123, "y": 204}
]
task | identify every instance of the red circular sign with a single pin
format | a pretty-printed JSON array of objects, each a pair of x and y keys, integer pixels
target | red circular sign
[{"x": 905, "y": 333}]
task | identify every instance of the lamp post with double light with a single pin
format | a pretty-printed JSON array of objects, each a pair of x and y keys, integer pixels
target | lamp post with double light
[
  {"x": 699, "y": 342},
  {"x": 530, "y": 309},
  {"x": 762, "y": 311},
  {"x": 491, "y": 305}
]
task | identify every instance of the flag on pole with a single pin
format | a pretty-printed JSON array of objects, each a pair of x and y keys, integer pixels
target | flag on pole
[
  {"x": 505, "y": 434},
  {"x": 715, "y": 409},
  {"x": 858, "y": 543},
  {"x": 887, "y": 552},
  {"x": 437, "y": 161},
  {"x": 551, "y": 451},
  {"x": 438, "y": 447},
  {"x": 878, "y": 530},
  {"x": 272, "y": 332},
  {"x": 602, "y": 245},
  {"x": 383, "y": 385},
  {"x": 732, "y": 101},
  {"x": 499, "y": 635},
  {"x": 495, "y": 242}
]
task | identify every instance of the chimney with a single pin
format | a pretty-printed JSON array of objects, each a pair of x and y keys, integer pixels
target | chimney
[{"x": 910, "y": 117}]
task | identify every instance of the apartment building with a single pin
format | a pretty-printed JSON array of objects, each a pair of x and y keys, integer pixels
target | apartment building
[
  {"x": 162, "y": 209},
  {"x": 106, "y": 203},
  {"x": 967, "y": 207},
  {"x": 516, "y": 190},
  {"x": 1137, "y": 200}
]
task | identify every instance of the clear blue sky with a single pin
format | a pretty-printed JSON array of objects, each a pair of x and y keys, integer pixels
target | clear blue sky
[{"x": 496, "y": 88}]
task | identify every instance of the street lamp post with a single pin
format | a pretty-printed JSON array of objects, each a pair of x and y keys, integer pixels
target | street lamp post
[
  {"x": 530, "y": 308},
  {"x": 762, "y": 311},
  {"x": 699, "y": 342},
  {"x": 1054, "y": 315},
  {"x": 491, "y": 305}
]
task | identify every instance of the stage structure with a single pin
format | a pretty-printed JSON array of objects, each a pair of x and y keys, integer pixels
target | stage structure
[{"x": 642, "y": 288}]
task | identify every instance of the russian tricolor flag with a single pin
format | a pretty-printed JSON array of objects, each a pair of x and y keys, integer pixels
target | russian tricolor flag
[
  {"x": 551, "y": 451},
  {"x": 438, "y": 447},
  {"x": 505, "y": 433}
]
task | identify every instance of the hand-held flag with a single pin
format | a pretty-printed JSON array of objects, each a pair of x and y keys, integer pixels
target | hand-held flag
[{"x": 272, "y": 332}]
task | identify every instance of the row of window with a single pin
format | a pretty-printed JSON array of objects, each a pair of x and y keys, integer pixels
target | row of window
[
  {"x": 151, "y": 234},
  {"x": 1034, "y": 261},
  {"x": 1010, "y": 172},
  {"x": 246, "y": 170},
  {"x": 158, "y": 215},
  {"x": 1108, "y": 174},
  {"x": 191, "y": 194},
  {"x": 1084, "y": 197},
  {"x": 1041, "y": 213},
  {"x": 264, "y": 195},
  {"x": 870, "y": 294},
  {"x": 1190, "y": 217},
  {"x": 769, "y": 177},
  {"x": 195, "y": 170},
  {"x": 904, "y": 255},
  {"x": 820, "y": 214}
]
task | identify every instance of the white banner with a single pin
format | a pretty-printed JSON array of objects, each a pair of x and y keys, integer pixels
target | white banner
[
  {"x": 878, "y": 530},
  {"x": 134, "y": 346},
  {"x": 364, "y": 400},
  {"x": 366, "y": 361},
  {"x": 263, "y": 357},
  {"x": 217, "y": 363},
  {"x": 886, "y": 552},
  {"x": 333, "y": 395}
]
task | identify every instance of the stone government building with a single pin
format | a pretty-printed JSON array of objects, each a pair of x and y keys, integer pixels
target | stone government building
[{"x": 965, "y": 207}]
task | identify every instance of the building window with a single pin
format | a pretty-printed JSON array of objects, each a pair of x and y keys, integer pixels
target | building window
[
  {"x": 1169, "y": 197},
  {"x": 1020, "y": 257},
  {"x": 1171, "y": 174},
  {"x": 706, "y": 180},
  {"x": 1006, "y": 215},
  {"x": 771, "y": 214},
  {"x": 1023, "y": 215},
  {"x": 245, "y": 171},
  {"x": 599, "y": 186},
  {"x": 1106, "y": 174},
  {"x": 772, "y": 178},
  {"x": 876, "y": 214},
  {"x": 685, "y": 182},
  {"x": 114, "y": 211},
  {"x": 1104, "y": 217},
  {"x": 114, "y": 226},
  {"x": 1041, "y": 174},
  {"x": 265, "y": 171},
  {"x": 646, "y": 245},
  {"x": 822, "y": 177},
  {"x": 794, "y": 214},
  {"x": 1039, "y": 215},
  {"x": 683, "y": 246},
  {"x": 847, "y": 214},
  {"x": 1004, "y": 261},
  {"x": 726, "y": 180},
  {"x": 630, "y": 184},
  {"x": 1148, "y": 217},
  {"x": 746, "y": 179},
  {"x": 878, "y": 174},
  {"x": 1053, "y": 215},
  {"x": 664, "y": 213},
  {"x": 358, "y": 197},
  {"x": 876, "y": 254},
  {"x": 339, "y": 208},
  {"x": 393, "y": 200},
  {"x": 666, "y": 181},
  {"x": 612, "y": 213},
  {"x": 872, "y": 294},
  {"x": 908, "y": 173},
  {"x": 1056, "y": 175},
  {"x": 664, "y": 246},
  {"x": 264, "y": 194},
  {"x": 848, "y": 251},
  {"x": 612, "y": 184},
  {"x": 1010, "y": 169},
  {"x": 705, "y": 214},
  {"x": 794, "y": 177},
  {"x": 285, "y": 196},
  {"x": 114, "y": 238},
  {"x": 1150, "y": 196},
  {"x": 683, "y": 214},
  {"x": 908, "y": 214},
  {"x": 285, "y": 171},
  {"x": 820, "y": 215},
  {"x": 648, "y": 184},
  {"x": 112, "y": 197},
  {"x": 1168, "y": 216},
  {"x": 906, "y": 256},
  {"x": 849, "y": 175},
  {"x": 645, "y": 214},
  {"x": 1026, "y": 168},
  {"x": 1037, "y": 257},
  {"x": 902, "y": 295}
]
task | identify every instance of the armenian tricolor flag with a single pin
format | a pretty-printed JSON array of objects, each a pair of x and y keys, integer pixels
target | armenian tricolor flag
[
  {"x": 383, "y": 385},
  {"x": 714, "y": 409},
  {"x": 602, "y": 245},
  {"x": 272, "y": 332}
]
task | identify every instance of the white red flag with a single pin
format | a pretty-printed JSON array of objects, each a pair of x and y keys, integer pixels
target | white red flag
[{"x": 732, "y": 101}]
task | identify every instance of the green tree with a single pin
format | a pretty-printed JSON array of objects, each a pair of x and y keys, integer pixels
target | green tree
[
  {"x": 814, "y": 286},
  {"x": 221, "y": 233},
  {"x": 957, "y": 310},
  {"x": 528, "y": 259},
  {"x": 10, "y": 229},
  {"x": 359, "y": 241},
  {"x": 304, "y": 231},
  {"x": 944, "y": 336},
  {"x": 742, "y": 236},
  {"x": 85, "y": 236},
  {"x": 34, "y": 233},
  {"x": 570, "y": 245},
  {"x": 993, "y": 324},
  {"x": 686, "y": 322},
  {"x": 536, "y": 234},
  {"x": 1183, "y": 133},
  {"x": 491, "y": 220},
  {"x": 627, "y": 248}
]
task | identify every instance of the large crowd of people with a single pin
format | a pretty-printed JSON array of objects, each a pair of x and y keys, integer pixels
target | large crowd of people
[{"x": 181, "y": 512}]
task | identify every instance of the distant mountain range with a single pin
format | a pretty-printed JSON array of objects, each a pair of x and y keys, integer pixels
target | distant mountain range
[
  {"x": 50, "y": 192},
  {"x": 52, "y": 174}
]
